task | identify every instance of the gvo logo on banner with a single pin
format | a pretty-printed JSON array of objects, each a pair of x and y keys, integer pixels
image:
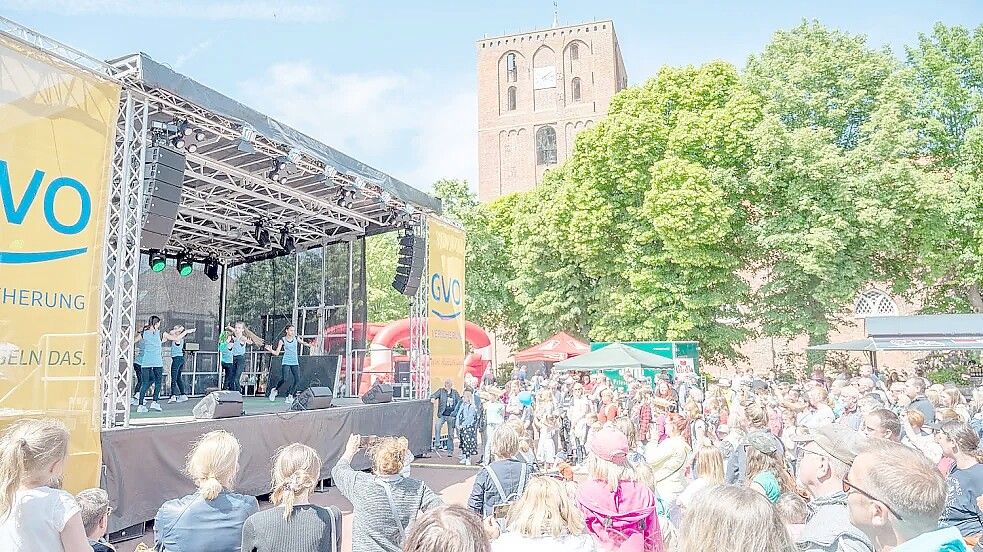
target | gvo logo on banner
[
  {"x": 447, "y": 295},
  {"x": 15, "y": 211}
]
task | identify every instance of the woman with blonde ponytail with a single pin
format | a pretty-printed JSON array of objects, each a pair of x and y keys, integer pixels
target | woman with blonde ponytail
[
  {"x": 294, "y": 525},
  {"x": 34, "y": 514},
  {"x": 211, "y": 518}
]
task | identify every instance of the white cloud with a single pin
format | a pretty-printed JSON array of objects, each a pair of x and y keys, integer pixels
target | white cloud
[
  {"x": 215, "y": 10},
  {"x": 192, "y": 52},
  {"x": 416, "y": 127}
]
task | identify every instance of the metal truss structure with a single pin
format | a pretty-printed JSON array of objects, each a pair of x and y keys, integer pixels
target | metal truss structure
[
  {"x": 419, "y": 346},
  {"x": 229, "y": 188}
]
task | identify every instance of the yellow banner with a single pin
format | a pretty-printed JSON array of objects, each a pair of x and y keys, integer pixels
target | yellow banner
[
  {"x": 445, "y": 303},
  {"x": 57, "y": 127}
]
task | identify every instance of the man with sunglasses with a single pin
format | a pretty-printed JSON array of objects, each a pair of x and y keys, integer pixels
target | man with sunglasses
[
  {"x": 824, "y": 456},
  {"x": 896, "y": 496}
]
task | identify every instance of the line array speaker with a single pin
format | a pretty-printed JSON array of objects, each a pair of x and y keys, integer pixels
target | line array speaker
[
  {"x": 409, "y": 265},
  {"x": 163, "y": 182}
]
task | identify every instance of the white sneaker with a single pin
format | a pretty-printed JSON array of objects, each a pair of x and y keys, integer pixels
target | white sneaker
[
  {"x": 156, "y": 406},
  {"x": 182, "y": 398},
  {"x": 461, "y": 461},
  {"x": 141, "y": 408},
  {"x": 273, "y": 395},
  {"x": 467, "y": 462},
  {"x": 135, "y": 401},
  {"x": 173, "y": 399},
  {"x": 289, "y": 399}
]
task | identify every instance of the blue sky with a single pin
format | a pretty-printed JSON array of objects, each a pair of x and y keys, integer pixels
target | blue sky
[{"x": 393, "y": 83}]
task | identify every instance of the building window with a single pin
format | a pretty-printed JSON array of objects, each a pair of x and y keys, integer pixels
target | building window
[
  {"x": 511, "y": 70},
  {"x": 875, "y": 302},
  {"x": 575, "y": 89},
  {"x": 511, "y": 99},
  {"x": 546, "y": 146},
  {"x": 574, "y": 52}
]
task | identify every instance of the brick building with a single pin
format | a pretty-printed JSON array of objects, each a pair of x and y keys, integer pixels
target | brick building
[{"x": 536, "y": 91}]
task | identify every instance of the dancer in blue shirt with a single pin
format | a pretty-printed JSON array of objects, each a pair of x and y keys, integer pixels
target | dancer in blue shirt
[
  {"x": 289, "y": 346},
  {"x": 152, "y": 359},
  {"x": 178, "y": 393}
]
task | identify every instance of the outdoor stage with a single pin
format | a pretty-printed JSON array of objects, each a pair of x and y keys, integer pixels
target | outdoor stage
[{"x": 144, "y": 464}]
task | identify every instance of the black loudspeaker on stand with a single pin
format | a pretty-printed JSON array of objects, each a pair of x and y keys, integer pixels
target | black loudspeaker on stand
[{"x": 313, "y": 398}]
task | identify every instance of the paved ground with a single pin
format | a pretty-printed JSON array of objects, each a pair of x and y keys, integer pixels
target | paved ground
[{"x": 444, "y": 476}]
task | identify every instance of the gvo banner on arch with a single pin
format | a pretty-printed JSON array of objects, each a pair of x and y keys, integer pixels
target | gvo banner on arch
[
  {"x": 445, "y": 302},
  {"x": 57, "y": 127}
]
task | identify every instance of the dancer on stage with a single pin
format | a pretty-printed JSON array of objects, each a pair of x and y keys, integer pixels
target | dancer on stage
[
  {"x": 237, "y": 343},
  {"x": 224, "y": 353},
  {"x": 152, "y": 359},
  {"x": 289, "y": 346},
  {"x": 177, "y": 364}
]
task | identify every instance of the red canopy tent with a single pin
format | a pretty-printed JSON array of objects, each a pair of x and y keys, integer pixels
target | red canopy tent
[{"x": 559, "y": 347}]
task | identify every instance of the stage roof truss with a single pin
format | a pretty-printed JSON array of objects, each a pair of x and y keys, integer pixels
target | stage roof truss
[{"x": 228, "y": 187}]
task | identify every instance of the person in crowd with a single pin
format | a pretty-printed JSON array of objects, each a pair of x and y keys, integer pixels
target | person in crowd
[
  {"x": 447, "y": 529},
  {"x": 766, "y": 471},
  {"x": 619, "y": 512},
  {"x": 385, "y": 502},
  {"x": 642, "y": 413},
  {"x": 547, "y": 427},
  {"x": 503, "y": 480},
  {"x": 294, "y": 524},
  {"x": 915, "y": 391},
  {"x": 752, "y": 417},
  {"x": 178, "y": 393},
  {"x": 152, "y": 359},
  {"x": 850, "y": 414},
  {"x": 964, "y": 481},
  {"x": 237, "y": 343},
  {"x": 669, "y": 459},
  {"x": 210, "y": 518},
  {"x": 953, "y": 398},
  {"x": 824, "y": 458},
  {"x": 896, "y": 496},
  {"x": 448, "y": 401},
  {"x": 709, "y": 472},
  {"x": 580, "y": 408},
  {"x": 794, "y": 512},
  {"x": 494, "y": 418},
  {"x": 608, "y": 409},
  {"x": 289, "y": 345},
  {"x": 733, "y": 519},
  {"x": 466, "y": 421},
  {"x": 817, "y": 412},
  {"x": 883, "y": 424},
  {"x": 913, "y": 429},
  {"x": 34, "y": 513},
  {"x": 94, "y": 504},
  {"x": 545, "y": 519}
]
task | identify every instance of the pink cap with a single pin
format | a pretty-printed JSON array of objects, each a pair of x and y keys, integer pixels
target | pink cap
[{"x": 611, "y": 445}]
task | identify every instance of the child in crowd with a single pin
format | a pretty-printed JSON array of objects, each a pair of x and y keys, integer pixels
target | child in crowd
[
  {"x": 34, "y": 513},
  {"x": 95, "y": 517}
]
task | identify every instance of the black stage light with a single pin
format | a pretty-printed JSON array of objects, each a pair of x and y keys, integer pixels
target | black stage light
[
  {"x": 262, "y": 235},
  {"x": 157, "y": 261},
  {"x": 287, "y": 241},
  {"x": 184, "y": 265},
  {"x": 211, "y": 269}
]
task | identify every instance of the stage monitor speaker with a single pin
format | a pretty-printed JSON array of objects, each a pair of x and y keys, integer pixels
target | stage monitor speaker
[
  {"x": 313, "y": 398},
  {"x": 379, "y": 393},
  {"x": 410, "y": 264},
  {"x": 163, "y": 182},
  {"x": 219, "y": 404}
]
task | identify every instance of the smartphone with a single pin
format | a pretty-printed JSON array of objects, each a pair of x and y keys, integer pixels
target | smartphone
[
  {"x": 500, "y": 511},
  {"x": 367, "y": 440}
]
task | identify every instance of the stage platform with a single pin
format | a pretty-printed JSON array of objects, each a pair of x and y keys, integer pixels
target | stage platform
[{"x": 144, "y": 464}]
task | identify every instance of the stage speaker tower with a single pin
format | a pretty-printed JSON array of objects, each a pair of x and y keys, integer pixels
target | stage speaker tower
[{"x": 163, "y": 182}]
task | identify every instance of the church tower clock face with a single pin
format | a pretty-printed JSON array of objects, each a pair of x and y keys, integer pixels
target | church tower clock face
[{"x": 544, "y": 77}]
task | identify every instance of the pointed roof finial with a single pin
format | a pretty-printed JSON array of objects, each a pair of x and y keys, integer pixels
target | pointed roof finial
[{"x": 556, "y": 14}]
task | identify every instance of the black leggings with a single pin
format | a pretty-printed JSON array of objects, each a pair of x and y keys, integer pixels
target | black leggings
[
  {"x": 232, "y": 376},
  {"x": 177, "y": 384},
  {"x": 294, "y": 369}
]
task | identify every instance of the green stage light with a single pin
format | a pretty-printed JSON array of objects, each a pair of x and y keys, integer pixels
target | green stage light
[
  {"x": 157, "y": 261},
  {"x": 184, "y": 266}
]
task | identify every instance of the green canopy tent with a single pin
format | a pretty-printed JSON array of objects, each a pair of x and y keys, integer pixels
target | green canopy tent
[{"x": 615, "y": 360}]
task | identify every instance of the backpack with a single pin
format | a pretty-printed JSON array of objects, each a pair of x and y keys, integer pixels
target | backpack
[{"x": 501, "y": 489}]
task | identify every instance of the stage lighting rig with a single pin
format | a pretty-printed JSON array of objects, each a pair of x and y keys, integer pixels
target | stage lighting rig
[
  {"x": 287, "y": 241},
  {"x": 247, "y": 135},
  {"x": 280, "y": 170}
]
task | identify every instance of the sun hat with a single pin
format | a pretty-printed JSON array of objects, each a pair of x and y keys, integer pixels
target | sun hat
[
  {"x": 611, "y": 445},
  {"x": 838, "y": 441}
]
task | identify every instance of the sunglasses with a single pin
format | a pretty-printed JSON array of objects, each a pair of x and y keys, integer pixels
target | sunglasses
[{"x": 850, "y": 487}]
